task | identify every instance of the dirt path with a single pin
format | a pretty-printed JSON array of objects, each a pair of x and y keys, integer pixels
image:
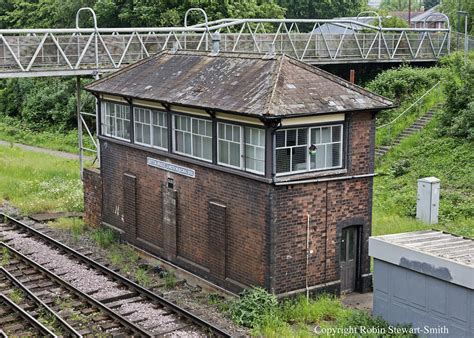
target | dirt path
[{"x": 57, "y": 153}]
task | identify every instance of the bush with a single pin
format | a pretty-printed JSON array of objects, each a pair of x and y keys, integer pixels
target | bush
[
  {"x": 253, "y": 306},
  {"x": 457, "y": 119}
]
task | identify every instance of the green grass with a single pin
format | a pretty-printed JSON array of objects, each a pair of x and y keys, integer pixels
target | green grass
[
  {"x": 104, "y": 237},
  {"x": 37, "y": 182},
  {"x": 386, "y": 135},
  {"x": 75, "y": 226},
  {"x": 12, "y": 130},
  {"x": 422, "y": 155}
]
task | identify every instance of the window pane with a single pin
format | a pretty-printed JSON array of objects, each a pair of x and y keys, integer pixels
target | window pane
[
  {"x": 179, "y": 139},
  {"x": 282, "y": 160},
  {"x": 157, "y": 137},
  {"x": 234, "y": 153},
  {"x": 261, "y": 134},
  {"x": 209, "y": 128},
  {"x": 223, "y": 152},
  {"x": 195, "y": 126},
  {"x": 336, "y": 133},
  {"x": 164, "y": 138},
  {"x": 328, "y": 155},
  {"x": 290, "y": 138},
  {"x": 221, "y": 130},
  {"x": 236, "y": 134},
  {"x": 146, "y": 134},
  {"x": 177, "y": 122},
  {"x": 336, "y": 155},
  {"x": 197, "y": 146},
  {"x": 318, "y": 161},
  {"x": 187, "y": 143},
  {"x": 280, "y": 138},
  {"x": 326, "y": 135},
  {"x": 302, "y": 136},
  {"x": 207, "y": 148},
  {"x": 299, "y": 159},
  {"x": 351, "y": 248},
  {"x": 315, "y": 136},
  {"x": 228, "y": 132}
]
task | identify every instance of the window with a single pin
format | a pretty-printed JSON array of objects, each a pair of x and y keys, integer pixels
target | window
[
  {"x": 241, "y": 147},
  {"x": 293, "y": 153},
  {"x": 328, "y": 142},
  {"x": 151, "y": 128},
  {"x": 193, "y": 137},
  {"x": 116, "y": 120}
]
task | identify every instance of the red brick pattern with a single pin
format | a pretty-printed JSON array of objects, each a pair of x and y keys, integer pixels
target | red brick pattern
[
  {"x": 236, "y": 231},
  {"x": 92, "y": 197}
]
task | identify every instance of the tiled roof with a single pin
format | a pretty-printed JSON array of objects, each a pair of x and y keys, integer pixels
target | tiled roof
[{"x": 239, "y": 83}]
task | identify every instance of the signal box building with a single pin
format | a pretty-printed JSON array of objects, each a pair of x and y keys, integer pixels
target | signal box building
[{"x": 245, "y": 170}]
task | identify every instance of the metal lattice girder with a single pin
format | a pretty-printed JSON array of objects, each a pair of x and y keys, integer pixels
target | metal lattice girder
[{"x": 82, "y": 51}]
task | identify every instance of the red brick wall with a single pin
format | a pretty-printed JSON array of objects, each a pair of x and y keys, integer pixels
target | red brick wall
[
  {"x": 245, "y": 201},
  {"x": 330, "y": 206},
  {"x": 237, "y": 231},
  {"x": 92, "y": 197}
]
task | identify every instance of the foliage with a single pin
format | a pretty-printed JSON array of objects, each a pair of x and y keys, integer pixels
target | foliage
[
  {"x": 253, "y": 304},
  {"x": 430, "y": 3},
  {"x": 451, "y": 7},
  {"x": 447, "y": 158},
  {"x": 170, "y": 279},
  {"x": 104, "y": 237},
  {"x": 324, "y": 9},
  {"x": 400, "y": 5},
  {"x": 391, "y": 22},
  {"x": 36, "y": 182},
  {"x": 457, "y": 118},
  {"x": 75, "y": 226}
]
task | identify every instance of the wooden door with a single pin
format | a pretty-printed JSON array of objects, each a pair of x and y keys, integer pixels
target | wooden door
[{"x": 348, "y": 259}]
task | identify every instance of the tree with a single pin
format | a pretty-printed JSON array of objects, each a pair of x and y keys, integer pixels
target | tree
[
  {"x": 322, "y": 9},
  {"x": 400, "y": 5},
  {"x": 450, "y": 8},
  {"x": 430, "y": 3}
]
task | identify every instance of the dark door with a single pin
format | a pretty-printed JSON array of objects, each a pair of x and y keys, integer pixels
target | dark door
[{"x": 348, "y": 260}]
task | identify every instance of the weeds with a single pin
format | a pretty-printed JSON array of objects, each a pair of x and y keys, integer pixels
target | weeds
[
  {"x": 142, "y": 277},
  {"x": 16, "y": 296},
  {"x": 74, "y": 225},
  {"x": 169, "y": 279},
  {"x": 5, "y": 257},
  {"x": 104, "y": 237}
]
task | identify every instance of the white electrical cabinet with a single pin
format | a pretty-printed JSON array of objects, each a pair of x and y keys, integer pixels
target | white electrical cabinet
[{"x": 427, "y": 204}]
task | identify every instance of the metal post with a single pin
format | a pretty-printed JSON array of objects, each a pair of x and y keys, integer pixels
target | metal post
[
  {"x": 466, "y": 42},
  {"x": 97, "y": 123},
  {"x": 79, "y": 124}
]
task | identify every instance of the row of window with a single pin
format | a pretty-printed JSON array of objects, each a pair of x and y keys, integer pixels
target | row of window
[
  {"x": 296, "y": 150},
  {"x": 237, "y": 147}
]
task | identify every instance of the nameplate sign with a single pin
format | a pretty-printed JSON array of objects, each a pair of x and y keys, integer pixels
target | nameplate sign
[{"x": 177, "y": 169}]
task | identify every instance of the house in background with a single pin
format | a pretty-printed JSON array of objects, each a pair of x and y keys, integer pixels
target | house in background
[
  {"x": 430, "y": 18},
  {"x": 245, "y": 170}
]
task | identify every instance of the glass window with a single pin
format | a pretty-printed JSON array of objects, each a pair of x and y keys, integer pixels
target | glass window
[
  {"x": 291, "y": 150},
  {"x": 255, "y": 150},
  {"x": 293, "y": 153},
  {"x": 328, "y": 143},
  {"x": 116, "y": 120},
  {"x": 241, "y": 147},
  {"x": 150, "y": 128},
  {"x": 193, "y": 137}
]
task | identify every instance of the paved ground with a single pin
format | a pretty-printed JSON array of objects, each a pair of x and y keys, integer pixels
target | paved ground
[
  {"x": 62, "y": 154},
  {"x": 361, "y": 301}
]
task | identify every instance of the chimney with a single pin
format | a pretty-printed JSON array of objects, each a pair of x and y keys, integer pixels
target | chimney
[{"x": 216, "y": 40}]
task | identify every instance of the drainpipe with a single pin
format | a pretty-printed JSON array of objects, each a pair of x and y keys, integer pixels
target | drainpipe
[{"x": 307, "y": 257}]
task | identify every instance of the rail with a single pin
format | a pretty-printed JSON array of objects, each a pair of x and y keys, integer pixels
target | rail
[{"x": 117, "y": 277}]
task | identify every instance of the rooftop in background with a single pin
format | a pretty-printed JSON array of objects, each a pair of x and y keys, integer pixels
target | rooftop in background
[
  {"x": 431, "y": 15},
  {"x": 246, "y": 84},
  {"x": 437, "y": 253}
]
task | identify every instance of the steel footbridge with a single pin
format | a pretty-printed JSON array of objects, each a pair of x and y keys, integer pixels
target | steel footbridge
[{"x": 83, "y": 51}]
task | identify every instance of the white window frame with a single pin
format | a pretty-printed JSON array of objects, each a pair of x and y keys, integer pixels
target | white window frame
[
  {"x": 106, "y": 113},
  {"x": 192, "y": 134},
  {"x": 240, "y": 143},
  {"x": 150, "y": 126},
  {"x": 308, "y": 144},
  {"x": 245, "y": 144}
]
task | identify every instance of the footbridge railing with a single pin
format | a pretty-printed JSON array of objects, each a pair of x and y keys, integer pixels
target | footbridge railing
[{"x": 87, "y": 51}]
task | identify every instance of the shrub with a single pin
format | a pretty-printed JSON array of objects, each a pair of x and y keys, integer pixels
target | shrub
[
  {"x": 400, "y": 167},
  {"x": 253, "y": 306},
  {"x": 457, "y": 119}
]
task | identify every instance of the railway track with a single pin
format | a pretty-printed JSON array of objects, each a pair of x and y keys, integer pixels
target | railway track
[
  {"x": 119, "y": 305},
  {"x": 20, "y": 323}
]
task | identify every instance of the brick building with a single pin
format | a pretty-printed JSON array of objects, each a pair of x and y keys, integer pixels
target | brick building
[{"x": 236, "y": 166}]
